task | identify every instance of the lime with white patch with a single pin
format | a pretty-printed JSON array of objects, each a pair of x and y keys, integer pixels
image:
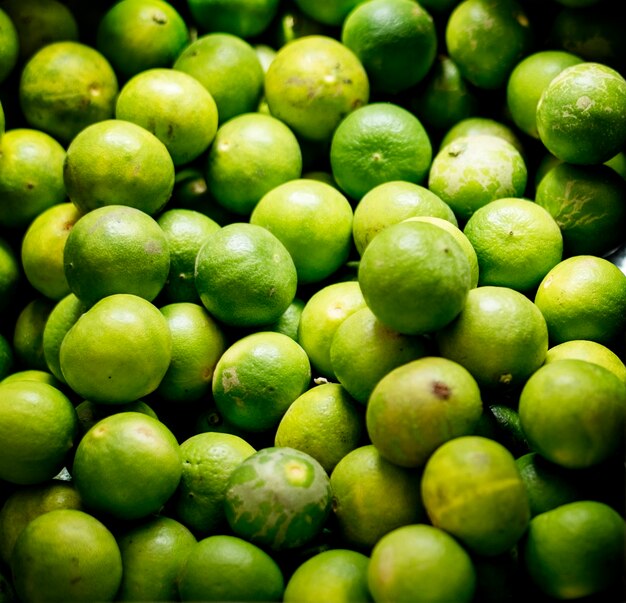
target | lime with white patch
[{"x": 278, "y": 498}]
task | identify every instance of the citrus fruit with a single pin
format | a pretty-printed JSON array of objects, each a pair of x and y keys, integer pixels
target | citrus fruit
[
  {"x": 10, "y": 272},
  {"x": 324, "y": 422},
  {"x": 472, "y": 489},
  {"x": 28, "y": 333},
  {"x": 289, "y": 320},
  {"x": 116, "y": 249},
  {"x": 245, "y": 275},
  {"x": 528, "y": 80},
  {"x": 314, "y": 222},
  {"x": 241, "y": 18},
  {"x": 42, "y": 249},
  {"x": 485, "y": 126},
  {"x": 583, "y": 297},
  {"x": 9, "y": 45},
  {"x": 258, "y": 377},
  {"x": 227, "y": 568},
  {"x": 175, "y": 107},
  {"x": 363, "y": 350},
  {"x": 116, "y": 162},
  {"x": 153, "y": 554},
  {"x": 40, "y": 22},
  {"x": 66, "y": 86},
  {"x": 487, "y": 39},
  {"x": 572, "y": 412},
  {"x": 31, "y": 176},
  {"x": 581, "y": 114},
  {"x": 197, "y": 344},
  {"x": 461, "y": 239},
  {"x": 136, "y": 35},
  {"x": 587, "y": 202},
  {"x": 208, "y": 460},
  {"x": 575, "y": 550},
  {"x": 418, "y": 406},
  {"x": 313, "y": 83},
  {"x": 420, "y": 563},
  {"x": 377, "y": 143},
  {"x": 501, "y": 423},
  {"x": 425, "y": 268},
  {"x": 61, "y": 318},
  {"x": 393, "y": 202},
  {"x": 445, "y": 97},
  {"x": 66, "y": 555},
  {"x": 395, "y": 40},
  {"x": 278, "y": 498},
  {"x": 229, "y": 68},
  {"x": 328, "y": 12},
  {"x": 117, "y": 351},
  {"x": 500, "y": 337},
  {"x": 127, "y": 465},
  {"x": 472, "y": 170},
  {"x": 591, "y": 351},
  {"x": 89, "y": 413},
  {"x": 517, "y": 242},
  {"x": 293, "y": 23},
  {"x": 6, "y": 357},
  {"x": 333, "y": 575},
  {"x": 185, "y": 231},
  {"x": 548, "y": 485},
  {"x": 322, "y": 314},
  {"x": 251, "y": 154},
  {"x": 357, "y": 481}
]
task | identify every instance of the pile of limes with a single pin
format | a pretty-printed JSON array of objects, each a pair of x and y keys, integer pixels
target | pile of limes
[{"x": 312, "y": 301}]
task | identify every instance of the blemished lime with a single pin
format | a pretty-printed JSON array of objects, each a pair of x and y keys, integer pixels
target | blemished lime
[
  {"x": 127, "y": 465},
  {"x": 420, "y": 563},
  {"x": 418, "y": 406},
  {"x": 66, "y": 555},
  {"x": 472, "y": 489},
  {"x": 278, "y": 498},
  {"x": 409, "y": 300},
  {"x": 572, "y": 412}
]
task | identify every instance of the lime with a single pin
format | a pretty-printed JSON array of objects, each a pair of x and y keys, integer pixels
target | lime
[
  {"x": 517, "y": 242},
  {"x": 127, "y": 465},
  {"x": 116, "y": 162},
  {"x": 362, "y": 516},
  {"x": 581, "y": 114},
  {"x": 136, "y": 35},
  {"x": 227, "y": 568},
  {"x": 500, "y": 337},
  {"x": 258, "y": 377},
  {"x": 324, "y": 422},
  {"x": 9, "y": 45},
  {"x": 175, "y": 107},
  {"x": 208, "y": 460},
  {"x": 418, "y": 406},
  {"x": 10, "y": 272},
  {"x": 89, "y": 413},
  {"x": 289, "y": 320},
  {"x": 117, "y": 351},
  {"x": 420, "y": 563},
  {"x": 66, "y": 555},
  {"x": 393, "y": 202},
  {"x": 251, "y": 155},
  {"x": 6, "y": 358},
  {"x": 328, "y": 12},
  {"x": 314, "y": 222},
  {"x": 153, "y": 555},
  {"x": 363, "y": 350},
  {"x": 313, "y": 83},
  {"x": 66, "y": 86},
  {"x": 245, "y": 276},
  {"x": 424, "y": 299},
  {"x": 377, "y": 143},
  {"x": 278, "y": 498},
  {"x": 575, "y": 550},
  {"x": 229, "y": 68},
  {"x": 472, "y": 489},
  {"x": 28, "y": 333},
  {"x": 572, "y": 412},
  {"x": 395, "y": 40},
  {"x": 335, "y": 575}
]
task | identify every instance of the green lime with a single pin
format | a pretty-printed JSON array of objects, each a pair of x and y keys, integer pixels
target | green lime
[
  {"x": 9, "y": 45},
  {"x": 242, "y": 18},
  {"x": 28, "y": 333}
]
